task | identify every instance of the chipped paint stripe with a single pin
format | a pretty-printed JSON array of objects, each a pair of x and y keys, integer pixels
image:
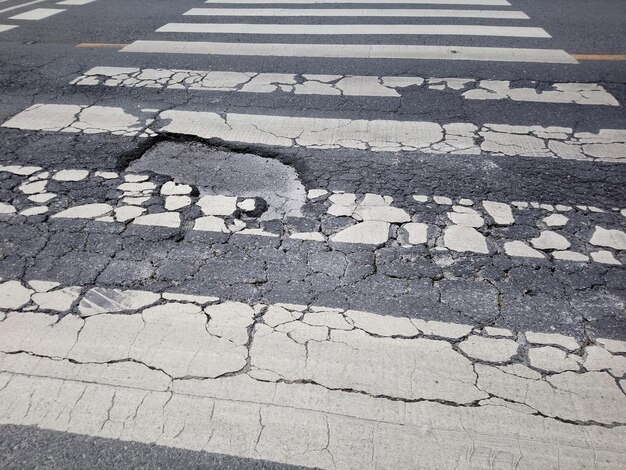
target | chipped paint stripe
[
  {"x": 369, "y": 233},
  {"x": 303, "y": 384},
  {"x": 357, "y": 12},
  {"x": 331, "y": 133},
  {"x": 356, "y": 29},
  {"x": 373, "y": 215},
  {"x": 338, "y": 85},
  {"x": 355, "y": 51},
  {"x": 311, "y": 425}
]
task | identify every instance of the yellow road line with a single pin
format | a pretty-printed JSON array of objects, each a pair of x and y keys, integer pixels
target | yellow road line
[
  {"x": 101, "y": 44},
  {"x": 598, "y": 57}
]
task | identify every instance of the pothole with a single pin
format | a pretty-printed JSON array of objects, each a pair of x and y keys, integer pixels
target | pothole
[{"x": 221, "y": 172}]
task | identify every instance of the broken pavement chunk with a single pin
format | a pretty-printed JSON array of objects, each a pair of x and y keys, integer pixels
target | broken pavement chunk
[
  {"x": 549, "y": 240},
  {"x": 368, "y": 233},
  {"x": 58, "y": 300},
  {"x": 521, "y": 249},
  {"x": 85, "y": 211},
  {"x": 161, "y": 219},
  {"x": 489, "y": 349},
  {"x": 460, "y": 238},
  {"x": 217, "y": 205},
  {"x": 615, "y": 239},
  {"x": 501, "y": 213},
  {"x": 14, "y": 295}
]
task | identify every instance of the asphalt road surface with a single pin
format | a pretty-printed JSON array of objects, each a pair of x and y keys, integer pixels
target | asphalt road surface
[{"x": 322, "y": 233}]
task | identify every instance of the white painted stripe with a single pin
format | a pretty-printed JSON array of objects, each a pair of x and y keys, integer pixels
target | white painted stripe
[
  {"x": 344, "y": 85},
  {"x": 37, "y": 14},
  {"x": 357, "y": 51},
  {"x": 357, "y": 12},
  {"x": 363, "y": 29},
  {"x": 381, "y": 135},
  {"x": 378, "y": 2},
  {"x": 305, "y": 385},
  {"x": 6, "y": 27},
  {"x": 22, "y": 5}
]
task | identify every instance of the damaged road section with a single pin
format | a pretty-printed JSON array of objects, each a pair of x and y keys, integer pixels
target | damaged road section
[
  {"x": 225, "y": 192},
  {"x": 331, "y": 133},
  {"x": 342, "y": 85},
  {"x": 512, "y": 264},
  {"x": 348, "y": 389},
  {"x": 223, "y": 173}
]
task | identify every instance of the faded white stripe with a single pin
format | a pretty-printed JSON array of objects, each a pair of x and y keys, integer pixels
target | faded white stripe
[
  {"x": 37, "y": 14},
  {"x": 358, "y": 12},
  {"x": 6, "y": 27},
  {"x": 350, "y": 29},
  {"x": 357, "y": 51}
]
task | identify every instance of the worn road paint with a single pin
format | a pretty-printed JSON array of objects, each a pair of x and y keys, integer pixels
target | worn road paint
[
  {"x": 195, "y": 372},
  {"x": 457, "y": 138},
  {"x": 341, "y": 85}
]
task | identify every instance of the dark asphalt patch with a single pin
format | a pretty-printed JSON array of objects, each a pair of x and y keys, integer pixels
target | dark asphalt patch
[{"x": 29, "y": 447}]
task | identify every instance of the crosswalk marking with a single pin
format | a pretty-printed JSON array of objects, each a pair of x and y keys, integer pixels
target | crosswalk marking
[
  {"x": 358, "y": 12},
  {"x": 378, "y": 2},
  {"x": 351, "y": 29},
  {"x": 6, "y": 27},
  {"x": 304, "y": 384},
  {"x": 340, "y": 85},
  {"x": 374, "y": 215},
  {"x": 307, "y": 384},
  {"x": 456, "y": 138},
  {"x": 357, "y": 51},
  {"x": 37, "y": 14}
]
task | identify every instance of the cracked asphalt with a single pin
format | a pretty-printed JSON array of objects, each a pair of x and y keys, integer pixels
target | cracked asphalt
[{"x": 273, "y": 250}]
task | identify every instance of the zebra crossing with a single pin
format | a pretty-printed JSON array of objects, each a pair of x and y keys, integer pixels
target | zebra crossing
[
  {"x": 360, "y": 51},
  {"x": 343, "y": 85},
  {"x": 347, "y": 85},
  {"x": 264, "y": 230}
]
